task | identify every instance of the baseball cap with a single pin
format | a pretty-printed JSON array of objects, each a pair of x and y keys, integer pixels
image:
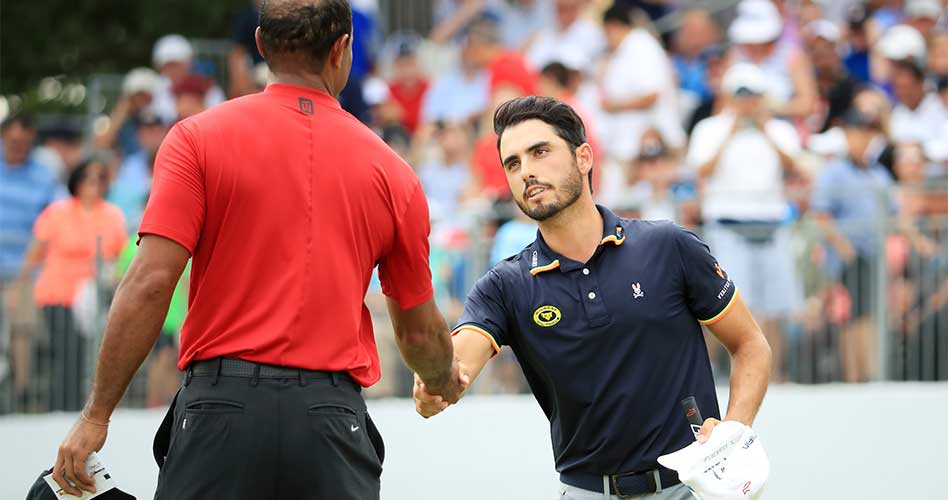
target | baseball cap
[
  {"x": 928, "y": 9},
  {"x": 41, "y": 491},
  {"x": 731, "y": 465},
  {"x": 902, "y": 42},
  {"x": 140, "y": 80},
  {"x": 744, "y": 79},
  {"x": 758, "y": 21},
  {"x": 825, "y": 29},
  {"x": 171, "y": 48}
]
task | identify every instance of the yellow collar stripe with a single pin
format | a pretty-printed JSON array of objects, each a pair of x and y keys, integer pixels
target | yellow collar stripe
[
  {"x": 479, "y": 331},
  {"x": 613, "y": 239},
  {"x": 719, "y": 316},
  {"x": 549, "y": 267}
]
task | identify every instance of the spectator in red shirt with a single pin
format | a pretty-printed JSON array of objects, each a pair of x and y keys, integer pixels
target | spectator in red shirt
[
  {"x": 284, "y": 203},
  {"x": 408, "y": 84}
]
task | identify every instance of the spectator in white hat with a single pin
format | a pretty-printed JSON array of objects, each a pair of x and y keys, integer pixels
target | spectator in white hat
[
  {"x": 172, "y": 56},
  {"x": 788, "y": 75},
  {"x": 898, "y": 43},
  {"x": 138, "y": 89},
  {"x": 742, "y": 156}
]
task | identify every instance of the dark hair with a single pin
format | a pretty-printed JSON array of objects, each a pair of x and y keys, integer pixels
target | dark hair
[
  {"x": 558, "y": 72},
  {"x": 617, "y": 14},
  {"x": 304, "y": 28},
  {"x": 25, "y": 121},
  {"x": 79, "y": 174},
  {"x": 557, "y": 114},
  {"x": 909, "y": 65}
]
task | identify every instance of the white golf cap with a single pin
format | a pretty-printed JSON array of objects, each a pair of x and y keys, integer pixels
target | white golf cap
[
  {"x": 930, "y": 9},
  {"x": 825, "y": 29},
  {"x": 902, "y": 42},
  {"x": 731, "y": 465},
  {"x": 744, "y": 78},
  {"x": 140, "y": 80},
  {"x": 171, "y": 48},
  {"x": 758, "y": 21}
]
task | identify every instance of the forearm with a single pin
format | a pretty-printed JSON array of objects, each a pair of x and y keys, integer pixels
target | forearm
[
  {"x": 473, "y": 351},
  {"x": 138, "y": 311},
  {"x": 428, "y": 352},
  {"x": 639, "y": 103},
  {"x": 707, "y": 168},
  {"x": 749, "y": 376}
]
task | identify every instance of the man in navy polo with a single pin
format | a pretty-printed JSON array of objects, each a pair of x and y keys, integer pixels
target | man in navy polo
[{"x": 604, "y": 315}]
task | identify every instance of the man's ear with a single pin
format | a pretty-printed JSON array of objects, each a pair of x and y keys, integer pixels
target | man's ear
[
  {"x": 584, "y": 158},
  {"x": 339, "y": 50},
  {"x": 259, "y": 42}
]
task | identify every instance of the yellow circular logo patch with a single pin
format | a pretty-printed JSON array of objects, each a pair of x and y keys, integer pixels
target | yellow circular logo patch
[{"x": 547, "y": 316}]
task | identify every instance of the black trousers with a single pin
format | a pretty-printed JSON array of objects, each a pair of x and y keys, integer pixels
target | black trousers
[
  {"x": 245, "y": 438},
  {"x": 68, "y": 360}
]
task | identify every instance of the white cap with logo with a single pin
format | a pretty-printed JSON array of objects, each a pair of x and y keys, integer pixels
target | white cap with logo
[{"x": 731, "y": 465}]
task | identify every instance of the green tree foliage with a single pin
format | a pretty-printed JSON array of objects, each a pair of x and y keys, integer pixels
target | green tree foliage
[{"x": 75, "y": 38}]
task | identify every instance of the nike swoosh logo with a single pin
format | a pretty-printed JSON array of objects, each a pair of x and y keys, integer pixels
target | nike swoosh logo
[{"x": 354, "y": 428}]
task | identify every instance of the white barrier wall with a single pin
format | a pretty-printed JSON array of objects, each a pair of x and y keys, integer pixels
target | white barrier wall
[{"x": 865, "y": 442}]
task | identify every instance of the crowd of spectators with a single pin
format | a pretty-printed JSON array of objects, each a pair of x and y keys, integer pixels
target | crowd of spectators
[{"x": 806, "y": 140}]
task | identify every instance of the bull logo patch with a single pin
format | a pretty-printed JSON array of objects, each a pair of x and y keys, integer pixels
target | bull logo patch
[{"x": 547, "y": 316}]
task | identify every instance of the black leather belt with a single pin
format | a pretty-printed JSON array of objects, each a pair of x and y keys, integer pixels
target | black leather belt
[
  {"x": 233, "y": 367},
  {"x": 625, "y": 485}
]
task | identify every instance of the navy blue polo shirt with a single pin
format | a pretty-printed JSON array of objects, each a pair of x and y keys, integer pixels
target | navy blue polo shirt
[{"x": 611, "y": 346}]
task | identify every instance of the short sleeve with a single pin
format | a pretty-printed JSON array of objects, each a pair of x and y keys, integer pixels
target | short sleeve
[
  {"x": 404, "y": 272},
  {"x": 45, "y": 225},
  {"x": 786, "y": 137},
  {"x": 485, "y": 312},
  {"x": 703, "y": 146},
  {"x": 821, "y": 200},
  {"x": 177, "y": 204},
  {"x": 709, "y": 291}
]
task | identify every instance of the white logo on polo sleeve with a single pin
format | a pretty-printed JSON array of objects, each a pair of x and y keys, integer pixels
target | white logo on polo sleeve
[{"x": 637, "y": 292}]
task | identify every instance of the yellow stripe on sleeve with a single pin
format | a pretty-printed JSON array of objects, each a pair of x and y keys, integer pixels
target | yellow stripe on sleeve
[
  {"x": 719, "y": 316},
  {"x": 479, "y": 331}
]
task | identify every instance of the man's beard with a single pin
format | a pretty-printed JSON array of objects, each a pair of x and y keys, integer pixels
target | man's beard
[{"x": 572, "y": 189}]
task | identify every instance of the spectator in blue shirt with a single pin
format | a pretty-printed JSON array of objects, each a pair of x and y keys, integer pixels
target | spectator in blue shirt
[
  {"x": 26, "y": 187},
  {"x": 697, "y": 33},
  {"x": 852, "y": 199}
]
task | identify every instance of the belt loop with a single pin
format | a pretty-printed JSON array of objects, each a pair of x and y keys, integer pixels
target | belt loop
[
  {"x": 299, "y": 372},
  {"x": 605, "y": 488},
  {"x": 658, "y": 481},
  {"x": 256, "y": 376},
  {"x": 188, "y": 373},
  {"x": 334, "y": 376},
  {"x": 217, "y": 372}
]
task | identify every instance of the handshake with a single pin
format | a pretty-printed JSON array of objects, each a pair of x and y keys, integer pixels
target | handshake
[{"x": 435, "y": 395}]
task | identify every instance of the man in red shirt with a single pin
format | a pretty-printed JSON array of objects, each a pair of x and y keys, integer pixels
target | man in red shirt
[{"x": 285, "y": 203}]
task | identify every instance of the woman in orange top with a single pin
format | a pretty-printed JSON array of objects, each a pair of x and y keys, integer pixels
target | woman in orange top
[{"x": 68, "y": 236}]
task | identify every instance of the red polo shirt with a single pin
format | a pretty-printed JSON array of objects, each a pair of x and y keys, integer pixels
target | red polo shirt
[{"x": 286, "y": 203}]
